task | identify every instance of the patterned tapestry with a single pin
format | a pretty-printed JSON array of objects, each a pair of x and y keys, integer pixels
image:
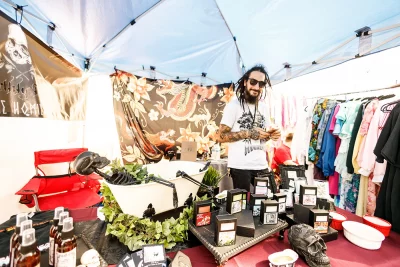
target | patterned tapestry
[{"x": 154, "y": 116}]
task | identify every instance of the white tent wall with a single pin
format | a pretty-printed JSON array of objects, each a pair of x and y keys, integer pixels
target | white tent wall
[
  {"x": 100, "y": 134},
  {"x": 375, "y": 71},
  {"x": 20, "y": 137}
]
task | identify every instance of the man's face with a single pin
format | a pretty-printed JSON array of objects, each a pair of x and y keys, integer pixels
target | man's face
[{"x": 253, "y": 89}]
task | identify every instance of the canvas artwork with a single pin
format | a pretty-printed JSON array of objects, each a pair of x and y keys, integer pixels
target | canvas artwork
[
  {"x": 226, "y": 238},
  {"x": 321, "y": 227},
  {"x": 271, "y": 218},
  {"x": 310, "y": 200},
  {"x": 256, "y": 210},
  {"x": 203, "y": 219},
  {"x": 236, "y": 206}
]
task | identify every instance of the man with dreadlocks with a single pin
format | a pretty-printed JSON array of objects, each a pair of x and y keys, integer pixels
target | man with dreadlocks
[{"x": 245, "y": 125}]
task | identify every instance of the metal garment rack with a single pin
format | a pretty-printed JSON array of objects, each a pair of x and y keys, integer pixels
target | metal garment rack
[{"x": 364, "y": 91}]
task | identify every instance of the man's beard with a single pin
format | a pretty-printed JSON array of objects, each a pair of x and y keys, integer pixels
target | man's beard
[{"x": 249, "y": 98}]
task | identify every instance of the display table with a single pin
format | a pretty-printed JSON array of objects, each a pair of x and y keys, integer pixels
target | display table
[{"x": 341, "y": 252}]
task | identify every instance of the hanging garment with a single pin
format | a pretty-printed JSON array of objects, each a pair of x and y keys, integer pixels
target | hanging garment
[
  {"x": 352, "y": 194},
  {"x": 388, "y": 147},
  {"x": 334, "y": 179},
  {"x": 330, "y": 106},
  {"x": 302, "y": 132},
  {"x": 348, "y": 117},
  {"x": 354, "y": 133},
  {"x": 327, "y": 155},
  {"x": 319, "y": 109}
]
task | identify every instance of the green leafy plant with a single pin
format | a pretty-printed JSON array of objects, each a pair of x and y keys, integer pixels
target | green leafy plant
[
  {"x": 212, "y": 177},
  {"x": 136, "y": 232},
  {"x": 135, "y": 169}
]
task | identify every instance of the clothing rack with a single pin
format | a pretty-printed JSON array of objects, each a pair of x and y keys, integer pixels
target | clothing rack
[{"x": 365, "y": 91}]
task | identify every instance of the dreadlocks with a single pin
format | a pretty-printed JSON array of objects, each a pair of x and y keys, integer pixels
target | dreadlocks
[{"x": 240, "y": 84}]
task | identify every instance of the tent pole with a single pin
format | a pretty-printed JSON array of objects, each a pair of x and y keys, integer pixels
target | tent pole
[
  {"x": 325, "y": 55},
  {"x": 65, "y": 47},
  {"x": 357, "y": 92},
  {"x": 234, "y": 38},
  {"x": 12, "y": 4},
  {"x": 384, "y": 28},
  {"x": 379, "y": 45}
]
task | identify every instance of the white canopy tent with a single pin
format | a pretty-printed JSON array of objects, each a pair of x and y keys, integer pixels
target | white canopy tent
[{"x": 187, "y": 39}]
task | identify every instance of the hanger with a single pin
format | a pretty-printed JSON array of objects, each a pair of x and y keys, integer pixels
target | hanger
[
  {"x": 383, "y": 97},
  {"x": 385, "y": 107}
]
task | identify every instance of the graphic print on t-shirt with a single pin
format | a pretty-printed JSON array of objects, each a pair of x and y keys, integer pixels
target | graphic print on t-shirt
[{"x": 247, "y": 122}]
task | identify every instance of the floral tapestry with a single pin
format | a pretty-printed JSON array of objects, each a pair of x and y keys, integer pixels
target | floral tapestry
[{"x": 154, "y": 116}]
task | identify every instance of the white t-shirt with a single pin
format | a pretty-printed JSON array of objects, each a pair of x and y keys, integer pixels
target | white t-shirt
[{"x": 246, "y": 154}]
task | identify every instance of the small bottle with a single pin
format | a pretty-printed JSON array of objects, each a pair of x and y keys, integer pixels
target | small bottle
[
  {"x": 14, "y": 238},
  {"x": 63, "y": 216},
  {"x": 217, "y": 151},
  {"x": 66, "y": 247},
  {"x": 30, "y": 254},
  {"x": 53, "y": 232},
  {"x": 25, "y": 225}
]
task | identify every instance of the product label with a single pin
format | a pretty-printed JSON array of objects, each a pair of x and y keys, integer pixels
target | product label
[
  {"x": 292, "y": 174},
  {"x": 257, "y": 202},
  {"x": 262, "y": 190},
  {"x": 271, "y": 208},
  {"x": 261, "y": 183},
  {"x": 227, "y": 226},
  {"x": 237, "y": 197},
  {"x": 51, "y": 251},
  {"x": 309, "y": 192},
  {"x": 282, "y": 200},
  {"x": 321, "y": 219},
  {"x": 203, "y": 219},
  {"x": 66, "y": 259}
]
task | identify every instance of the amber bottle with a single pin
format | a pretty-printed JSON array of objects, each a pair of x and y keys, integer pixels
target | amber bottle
[
  {"x": 30, "y": 254},
  {"x": 63, "y": 216},
  {"x": 53, "y": 232},
  {"x": 66, "y": 246},
  {"x": 25, "y": 225},
  {"x": 14, "y": 238}
]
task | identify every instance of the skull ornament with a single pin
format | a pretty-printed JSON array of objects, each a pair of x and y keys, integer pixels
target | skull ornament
[{"x": 308, "y": 244}]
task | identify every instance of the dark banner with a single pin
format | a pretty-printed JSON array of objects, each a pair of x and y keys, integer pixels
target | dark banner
[
  {"x": 155, "y": 116},
  {"x": 18, "y": 89},
  {"x": 26, "y": 65}
]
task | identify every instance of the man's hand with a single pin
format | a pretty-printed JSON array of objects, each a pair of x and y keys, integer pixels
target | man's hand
[
  {"x": 275, "y": 133},
  {"x": 260, "y": 135}
]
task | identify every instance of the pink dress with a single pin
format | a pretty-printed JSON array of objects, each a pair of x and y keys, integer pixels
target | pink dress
[{"x": 334, "y": 179}]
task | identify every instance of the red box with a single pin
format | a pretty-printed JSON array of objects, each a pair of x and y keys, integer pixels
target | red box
[{"x": 203, "y": 219}]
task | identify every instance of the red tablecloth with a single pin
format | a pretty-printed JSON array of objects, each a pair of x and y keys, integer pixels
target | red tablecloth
[{"x": 341, "y": 252}]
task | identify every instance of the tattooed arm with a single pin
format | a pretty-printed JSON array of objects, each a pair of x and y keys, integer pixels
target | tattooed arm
[{"x": 225, "y": 135}]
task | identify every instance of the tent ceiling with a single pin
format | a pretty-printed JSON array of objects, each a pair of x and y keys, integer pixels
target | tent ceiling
[{"x": 186, "y": 38}]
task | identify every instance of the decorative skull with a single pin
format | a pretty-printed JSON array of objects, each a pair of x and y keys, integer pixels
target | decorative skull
[{"x": 308, "y": 244}]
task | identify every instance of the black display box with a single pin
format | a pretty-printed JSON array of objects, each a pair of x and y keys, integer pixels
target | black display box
[
  {"x": 202, "y": 213},
  {"x": 245, "y": 223},
  {"x": 308, "y": 195},
  {"x": 318, "y": 219},
  {"x": 225, "y": 230},
  {"x": 269, "y": 212},
  {"x": 325, "y": 204},
  {"x": 281, "y": 199},
  {"x": 302, "y": 213},
  {"x": 234, "y": 201},
  {"x": 255, "y": 203},
  {"x": 261, "y": 185}
]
